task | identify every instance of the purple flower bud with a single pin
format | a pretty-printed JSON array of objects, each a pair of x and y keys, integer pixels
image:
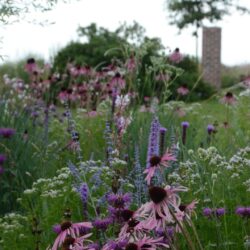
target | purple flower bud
[
  {"x": 163, "y": 130},
  {"x": 207, "y": 212},
  {"x": 185, "y": 124},
  {"x": 220, "y": 211},
  {"x": 210, "y": 128},
  {"x": 57, "y": 228},
  {"x": 7, "y": 132},
  {"x": 243, "y": 211}
]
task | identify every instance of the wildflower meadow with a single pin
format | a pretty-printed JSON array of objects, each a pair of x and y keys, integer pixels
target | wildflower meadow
[{"x": 103, "y": 158}]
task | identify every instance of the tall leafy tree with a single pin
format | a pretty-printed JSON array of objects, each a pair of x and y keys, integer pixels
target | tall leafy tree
[
  {"x": 184, "y": 13},
  {"x": 12, "y": 10}
]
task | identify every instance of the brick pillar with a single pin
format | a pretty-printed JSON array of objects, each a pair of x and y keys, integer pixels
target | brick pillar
[{"x": 211, "y": 56}]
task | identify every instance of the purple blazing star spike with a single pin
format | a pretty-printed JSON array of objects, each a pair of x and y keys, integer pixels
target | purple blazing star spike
[
  {"x": 220, "y": 211},
  {"x": 162, "y": 139},
  {"x": 2, "y": 159},
  {"x": 7, "y": 132},
  {"x": 83, "y": 192},
  {"x": 154, "y": 137},
  {"x": 207, "y": 212},
  {"x": 184, "y": 125}
]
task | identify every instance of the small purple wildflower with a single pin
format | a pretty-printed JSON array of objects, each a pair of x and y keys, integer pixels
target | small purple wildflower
[
  {"x": 207, "y": 212},
  {"x": 210, "y": 129},
  {"x": 7, "y": 132},
  {"x": 185, "y": 124},
  {"x": 34, "y": 114},
  {"x": 119, "y": 200},
  {"x": 243, "y": 211},
  {"x": 57, "y": 228},
  {"x": 102, "y": 224},
  {"x": 220, "y": 211}
]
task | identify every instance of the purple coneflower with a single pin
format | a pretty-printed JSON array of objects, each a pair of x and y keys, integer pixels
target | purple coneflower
[
  {"x": 117, "y": 81},
  {"x": 147, "y": 243},
  {"x": 30, "y": 65},
  {"x": 71, "y": 243},
  {"x": 183, "y": 90},
  {"x": 156, "y": 162},
  {"x": 131, "y": 64},
  {"x": 229, "y": 99},
  {"x": 176, "y": 56},
  {"x": 158, "y": 209},
  {"x": 69, "y": 228},
  {"x": 132, "y": 224}
]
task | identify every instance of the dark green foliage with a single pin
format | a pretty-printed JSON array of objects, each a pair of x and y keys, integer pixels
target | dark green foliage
[
  {"x": 191, "y": 77},
  {"x": 94, "y": 51}
]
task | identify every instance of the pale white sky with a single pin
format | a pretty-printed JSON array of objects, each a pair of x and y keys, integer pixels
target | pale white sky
[{"x": 21, "y": 39}]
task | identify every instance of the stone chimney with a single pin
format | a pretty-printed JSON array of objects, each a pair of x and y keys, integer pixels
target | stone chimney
[{"x": 211, "y": 56}]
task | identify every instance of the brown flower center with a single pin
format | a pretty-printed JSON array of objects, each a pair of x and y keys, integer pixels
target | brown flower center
[
  {"x": 131, "y": 246},
  {"x": 69, "y": 241},
  {"x": 157, "y": 194},
  {"x": 65, "y": 225},
  {"x": 127, "y": 214},
  {"x": 229, "y": 95},
  {"x": 132, "y": 223},
  {"x": 182, "y": 207},
  {"x": 155, "y": 160}
]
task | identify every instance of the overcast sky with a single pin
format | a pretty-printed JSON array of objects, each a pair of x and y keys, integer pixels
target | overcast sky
[{"x": 21, "y": 39}]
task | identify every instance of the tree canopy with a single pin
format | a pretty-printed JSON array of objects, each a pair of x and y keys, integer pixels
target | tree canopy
[
  {"x": 12, "y": 10},
  {"x": 184, "y": 13}
]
